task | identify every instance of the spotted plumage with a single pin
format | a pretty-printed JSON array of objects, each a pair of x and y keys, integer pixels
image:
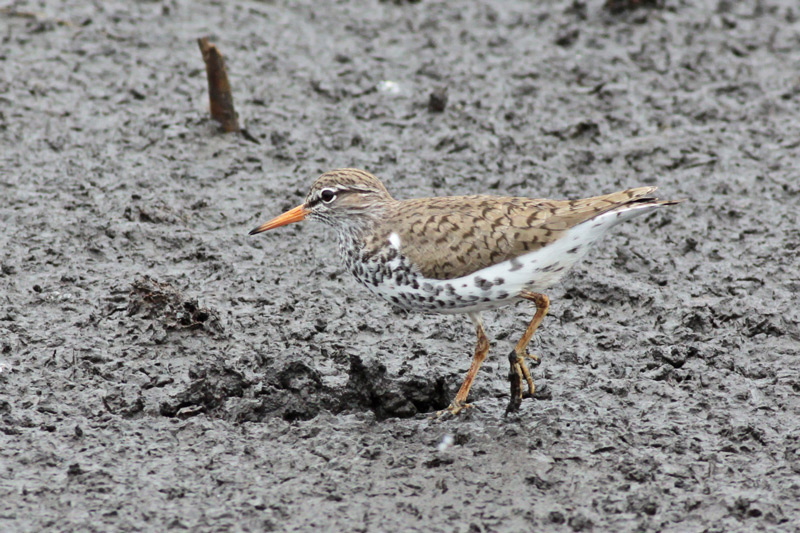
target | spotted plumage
[{"x": 462, "y": 254}]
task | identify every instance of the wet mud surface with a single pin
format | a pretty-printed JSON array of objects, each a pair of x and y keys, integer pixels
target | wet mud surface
[{"x": 159, "y": 369}]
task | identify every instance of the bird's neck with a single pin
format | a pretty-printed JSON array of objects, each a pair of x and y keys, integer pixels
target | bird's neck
[{"x": 358, "y": 229}]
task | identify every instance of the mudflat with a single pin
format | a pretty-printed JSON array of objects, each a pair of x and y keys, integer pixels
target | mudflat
[{"x": 160, "y": 369}]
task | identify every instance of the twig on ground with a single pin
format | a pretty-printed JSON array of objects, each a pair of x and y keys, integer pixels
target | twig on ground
[{"x": 219, "y": 89}]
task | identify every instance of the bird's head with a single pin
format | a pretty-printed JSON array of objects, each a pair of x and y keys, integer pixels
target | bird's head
[{"x": 346, "y": 199}]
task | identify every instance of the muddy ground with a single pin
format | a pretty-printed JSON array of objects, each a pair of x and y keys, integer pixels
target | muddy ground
[{"x": 161, "y": 369}]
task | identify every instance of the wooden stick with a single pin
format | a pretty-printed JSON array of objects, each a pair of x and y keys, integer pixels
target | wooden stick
[
  {"x": 219, "y": 89},
  {"x": 39, "y": 17}
]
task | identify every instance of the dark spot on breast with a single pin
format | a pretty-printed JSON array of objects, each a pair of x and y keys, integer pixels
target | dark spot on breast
[
  {"x": 499, "y": 281},
  {"x": 515, "y": 265},
  {"x": 483, "y": 284},
  {"x": 573, "y": 250}
]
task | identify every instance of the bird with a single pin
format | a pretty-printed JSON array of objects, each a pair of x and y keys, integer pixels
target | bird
[{"x": 463, "y": 254}]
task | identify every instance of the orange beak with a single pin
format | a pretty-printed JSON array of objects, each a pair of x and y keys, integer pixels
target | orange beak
[{"x": 293, "y": 215}]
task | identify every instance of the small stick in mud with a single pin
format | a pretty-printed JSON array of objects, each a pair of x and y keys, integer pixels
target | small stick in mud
[
  {"x": 219, "y": 89},
  {"x": 41, "y": 18}
]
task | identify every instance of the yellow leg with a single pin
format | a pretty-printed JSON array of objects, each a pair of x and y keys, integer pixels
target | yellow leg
[
  {"x": 519, "y": 369},
  {"x": 481, "y": 349}
]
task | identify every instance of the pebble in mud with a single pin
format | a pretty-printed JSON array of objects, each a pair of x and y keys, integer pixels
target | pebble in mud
[{"x": 437, "y": 101}]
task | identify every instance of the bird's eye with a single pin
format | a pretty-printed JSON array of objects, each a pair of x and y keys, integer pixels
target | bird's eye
[{"x": 327, "y": 195}]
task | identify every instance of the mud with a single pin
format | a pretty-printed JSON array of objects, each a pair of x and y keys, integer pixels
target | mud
[{"x": 159, "y": 369}]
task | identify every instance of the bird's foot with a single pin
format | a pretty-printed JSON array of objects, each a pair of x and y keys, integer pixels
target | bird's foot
[
  {"x": 454, "y": 409},
  {"x": 536, "y": 360},
  {"x": 518, "y": 374}
]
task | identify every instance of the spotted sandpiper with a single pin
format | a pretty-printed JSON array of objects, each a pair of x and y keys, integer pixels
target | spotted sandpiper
[{"x": 463, "y": 254}]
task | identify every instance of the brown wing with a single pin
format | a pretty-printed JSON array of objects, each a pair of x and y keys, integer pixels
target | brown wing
[{"x": 454, "y": 236}]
